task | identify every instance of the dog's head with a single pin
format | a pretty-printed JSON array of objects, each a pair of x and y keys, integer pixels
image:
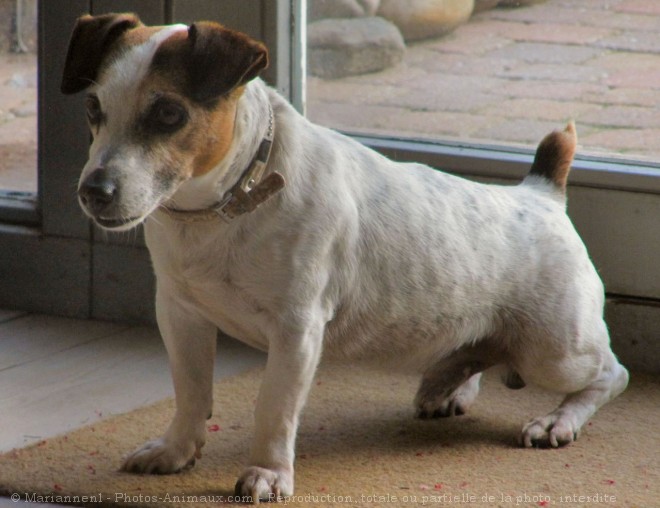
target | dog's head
[{"x": 161, "y": 104}]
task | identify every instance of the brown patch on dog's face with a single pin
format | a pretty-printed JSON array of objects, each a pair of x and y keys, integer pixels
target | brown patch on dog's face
[{"x": 194, "y": 139}]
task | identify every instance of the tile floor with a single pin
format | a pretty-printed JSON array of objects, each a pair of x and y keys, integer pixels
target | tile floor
[{"x": 58, "y": 374}]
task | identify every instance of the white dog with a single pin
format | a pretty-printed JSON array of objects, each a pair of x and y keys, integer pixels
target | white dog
[{"x": 298, "y": 240}]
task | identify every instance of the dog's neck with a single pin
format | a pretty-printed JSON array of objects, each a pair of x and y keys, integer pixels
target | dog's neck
[{"x": 220, "y": 193}]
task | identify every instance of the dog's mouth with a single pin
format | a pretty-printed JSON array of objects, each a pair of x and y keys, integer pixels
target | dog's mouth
[{"x": 118, "y": 224}]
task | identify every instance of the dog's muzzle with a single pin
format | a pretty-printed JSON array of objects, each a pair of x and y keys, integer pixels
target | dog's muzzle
[
  {"x": 98, "y": 195},
  {"x": 97, "y": 192}
]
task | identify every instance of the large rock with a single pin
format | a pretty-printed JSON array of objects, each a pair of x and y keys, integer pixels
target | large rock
[
  {"x": 322, "y": 9},
  {"x": 422, "y": 19},
  {"x": 345, "y": 47},
  {"x": 484, "y": 5},
  {"x": 518, "y": 3}
]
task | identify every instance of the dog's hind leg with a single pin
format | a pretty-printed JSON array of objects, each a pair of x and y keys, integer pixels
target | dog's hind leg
[
  {"x": 450, "y": 386},
  {"x": 590, "y": 379}
]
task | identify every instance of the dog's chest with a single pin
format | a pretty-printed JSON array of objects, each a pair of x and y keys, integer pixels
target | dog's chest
[{"x": 205, "y": 272}]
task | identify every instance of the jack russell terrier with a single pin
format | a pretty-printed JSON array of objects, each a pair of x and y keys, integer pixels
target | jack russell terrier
[{"x": 300, "y": 241}]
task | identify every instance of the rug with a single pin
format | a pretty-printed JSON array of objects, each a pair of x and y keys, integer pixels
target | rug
[{"x": 360, "y": 445}]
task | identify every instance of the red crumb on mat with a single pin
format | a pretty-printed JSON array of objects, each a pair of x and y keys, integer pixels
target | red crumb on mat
[
  {"x": 91, "y": 469},
  {"x": 609, "y": 482},
  {"x": 543, "y": 503},
  {"x": 437, "y": 486},
  {"x": 57, "y": 487},
  {"x": 213, "y": 428}
]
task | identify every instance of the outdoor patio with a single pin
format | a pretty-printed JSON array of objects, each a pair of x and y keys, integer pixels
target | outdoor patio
[{"x": 512, "y": 75}]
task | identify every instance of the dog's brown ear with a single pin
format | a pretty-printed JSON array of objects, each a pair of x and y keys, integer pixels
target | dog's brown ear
[
  {"x": 215, "y": 60},
  {"x": 90, "y": 42}
]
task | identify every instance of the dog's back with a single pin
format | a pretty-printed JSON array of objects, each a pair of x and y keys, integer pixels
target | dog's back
[{"x": 422, "y": 257}]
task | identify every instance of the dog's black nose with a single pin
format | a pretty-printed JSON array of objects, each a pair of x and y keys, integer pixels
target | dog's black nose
[{"x": 97, "y": 192}]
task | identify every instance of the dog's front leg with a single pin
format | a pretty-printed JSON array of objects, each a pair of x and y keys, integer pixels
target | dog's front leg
[
  {"x": 292, "y": 361},
  {"x": 190, "y": 341}
]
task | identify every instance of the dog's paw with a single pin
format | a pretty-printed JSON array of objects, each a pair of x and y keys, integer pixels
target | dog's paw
[
  {"x": 162, "y": 456},
  {"x": 455, "y": 405},
  {"x": 261, "y": 484},
  {"x": 551, "y": 431}
]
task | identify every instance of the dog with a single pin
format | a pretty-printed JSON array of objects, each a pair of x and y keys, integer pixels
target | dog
[{"x": 300, "y": 241}]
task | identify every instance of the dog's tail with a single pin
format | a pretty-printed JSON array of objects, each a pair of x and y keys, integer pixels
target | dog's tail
[{"x": 554, "y": 156}]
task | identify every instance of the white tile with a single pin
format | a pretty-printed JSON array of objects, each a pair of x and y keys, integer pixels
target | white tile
[
  {"x": 61, "y": 374},
  {"x": 34, "y": 336},
  {"x": 8, "y": 315}
]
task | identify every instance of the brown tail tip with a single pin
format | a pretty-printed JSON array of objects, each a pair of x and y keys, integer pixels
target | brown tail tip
[{"x": 554, "y": 156}]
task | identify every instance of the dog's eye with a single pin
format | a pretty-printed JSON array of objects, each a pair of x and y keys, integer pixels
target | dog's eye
[
  {"x": 167, "y": 116},
  {"x": 93, "y": 107}
]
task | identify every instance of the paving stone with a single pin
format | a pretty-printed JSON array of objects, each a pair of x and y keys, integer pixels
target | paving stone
[
  {"x": 544, "y": 13},
  {"x": 400, "y": 121},
  {"x": 543, "y": 109},
  {"x": 555, "y": 72},
  {"x": 447, "y": 100},
  {"x": 350, "y": 93},
  {"x": 343, "y": 47},
  {"x": 619, "y": 21},
  {"x": 443, "y": 84},
  {"x": 566, "y": 33},
  {"x": 642, "y": 42},
  {"x": 651, "y": 8},
  {"x": 568, "y": 90},
  {"x": 575, "y": 13},
  {"x": 634, "y": 70},
  {"x": 625, "y": 97},
  {"x": 519, "y": 130},
  {"x": 474, "y": 66},
  {"x": 403, "y": 76},
  {"x": 542, "y": 52},
  {"x": 598, "y": 5},
  {"x": 449, "y": 125},
  {"x": 624, "y": 116},
  {"x": 345, "y": 116},
  {"x": 623, "y": 78},
  {"x": 634, "y": 142}
]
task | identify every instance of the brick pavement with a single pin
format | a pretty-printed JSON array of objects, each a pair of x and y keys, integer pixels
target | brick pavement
[
  {"x": 510, "y": 75},
  {"x": 18, "y": 122}
]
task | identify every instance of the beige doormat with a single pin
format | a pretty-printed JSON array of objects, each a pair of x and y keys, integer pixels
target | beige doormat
[{"x": 359, "y": 445}]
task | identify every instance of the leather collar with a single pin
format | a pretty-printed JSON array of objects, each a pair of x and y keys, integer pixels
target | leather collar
[{"x": 247, "y": 194}]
